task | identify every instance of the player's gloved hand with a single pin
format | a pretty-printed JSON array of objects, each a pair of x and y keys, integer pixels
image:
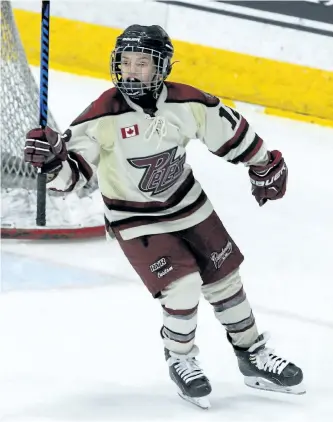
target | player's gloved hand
[
  {"x": 269, "y": 181},
  {"x": 46, "y": 149}
]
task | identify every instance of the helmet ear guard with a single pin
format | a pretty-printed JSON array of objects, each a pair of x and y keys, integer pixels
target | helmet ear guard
[{"x": 168, "y": 67}]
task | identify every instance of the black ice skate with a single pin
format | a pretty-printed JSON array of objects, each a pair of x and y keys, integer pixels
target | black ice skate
[
  {"x": 192, "y": 383},
  {"x": 265, "y": 370}
]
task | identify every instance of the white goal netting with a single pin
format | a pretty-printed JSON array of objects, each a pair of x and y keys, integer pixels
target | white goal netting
[{"x": 70, "y": 215}]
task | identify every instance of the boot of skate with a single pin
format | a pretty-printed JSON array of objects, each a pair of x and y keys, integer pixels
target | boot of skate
[
  {"x": 190, "y": 379},
  {"x": 265, "y": 370}
]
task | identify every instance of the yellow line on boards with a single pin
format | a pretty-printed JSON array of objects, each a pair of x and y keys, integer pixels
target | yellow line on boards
[{"x": 84, "y": 49}]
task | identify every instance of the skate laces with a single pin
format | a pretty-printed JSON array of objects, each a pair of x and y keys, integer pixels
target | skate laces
[
  {"x": 187, "y": 367},
  {"x": 265, "y": 359}
]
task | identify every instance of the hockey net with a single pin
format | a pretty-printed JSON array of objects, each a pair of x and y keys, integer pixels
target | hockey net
[{"x": 73, "y": 215}]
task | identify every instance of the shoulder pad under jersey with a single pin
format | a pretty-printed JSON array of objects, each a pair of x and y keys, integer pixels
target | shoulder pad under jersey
[
  {"x": 110, "y": 103},
  {"x": 181, "y": 93}
]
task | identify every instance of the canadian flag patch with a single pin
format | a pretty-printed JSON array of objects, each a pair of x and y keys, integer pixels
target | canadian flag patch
[{"x": 130, "y": 131}]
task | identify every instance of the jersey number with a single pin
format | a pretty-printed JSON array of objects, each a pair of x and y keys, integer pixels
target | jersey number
[{"x": 232, "y": 117}]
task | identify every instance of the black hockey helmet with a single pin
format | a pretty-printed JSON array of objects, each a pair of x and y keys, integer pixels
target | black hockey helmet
[{"x": 152, "y": 40}]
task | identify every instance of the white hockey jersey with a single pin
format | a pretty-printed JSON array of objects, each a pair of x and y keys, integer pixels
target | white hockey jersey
[{"x": 140, "y": 158}]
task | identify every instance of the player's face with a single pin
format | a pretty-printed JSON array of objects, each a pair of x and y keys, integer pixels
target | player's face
[{"x": 137, "y": 65}]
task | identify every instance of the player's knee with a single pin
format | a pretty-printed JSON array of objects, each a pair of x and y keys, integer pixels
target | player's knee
[
  {"x": 223, "y": 289},
  {"x": 183, "y": 293}
]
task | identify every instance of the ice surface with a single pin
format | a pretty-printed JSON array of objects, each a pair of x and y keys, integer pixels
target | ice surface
[
  {"x": 79, "y": 334},
  {"x": 62, "y": 211}
]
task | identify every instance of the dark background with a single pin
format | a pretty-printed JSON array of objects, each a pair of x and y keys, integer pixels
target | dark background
[
  {"x": 302, "y": 9},
  {"x": 322, "y": 13}
]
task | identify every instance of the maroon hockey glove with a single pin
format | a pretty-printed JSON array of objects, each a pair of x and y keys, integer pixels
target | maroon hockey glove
[
  {"x": 46, "y": 148},
  {"x": 269, "y": 181}
]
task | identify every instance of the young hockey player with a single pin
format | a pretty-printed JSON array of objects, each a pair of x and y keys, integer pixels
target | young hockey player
[{"x": 134, "y": 138}]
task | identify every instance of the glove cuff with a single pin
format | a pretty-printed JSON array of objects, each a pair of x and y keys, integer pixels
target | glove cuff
[{"x": 52, "y": 167}]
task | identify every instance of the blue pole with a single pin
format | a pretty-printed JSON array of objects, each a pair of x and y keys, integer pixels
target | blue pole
[{"x": 43, "y": 105}]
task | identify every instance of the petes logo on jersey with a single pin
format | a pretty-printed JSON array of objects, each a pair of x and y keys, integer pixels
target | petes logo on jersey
[
  {"x": 161, "y": 170},
  {"x": 130, "y": 131}
]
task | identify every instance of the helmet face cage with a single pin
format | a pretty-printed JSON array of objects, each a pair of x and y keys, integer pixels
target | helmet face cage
[{"x": 135, "y": 87}]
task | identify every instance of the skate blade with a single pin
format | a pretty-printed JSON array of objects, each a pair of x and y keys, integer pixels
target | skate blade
[
  {"x": 263, "y": 384},
  {"x": 202, "y": 402}
]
